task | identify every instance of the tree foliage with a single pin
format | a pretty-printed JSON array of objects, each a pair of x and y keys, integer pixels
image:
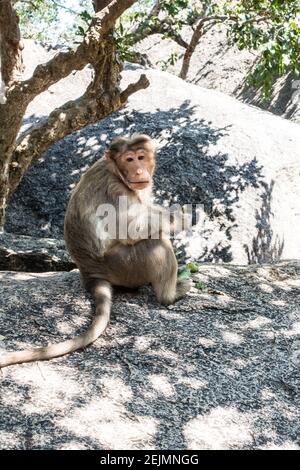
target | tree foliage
[
  {"x": 269, "y": 27},
  {"x": 53, "y": 21},
  {"x": 276, "y": 38}
]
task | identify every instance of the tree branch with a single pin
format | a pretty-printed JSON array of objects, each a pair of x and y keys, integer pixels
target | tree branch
[
  {"x": 141, "y": 84},
  {"x": 100, "y": 100},
  {"x": 163, "y": 27},
  {"x": 91, "y": 50},
  {"x": 199, "y": 31},
  {"x": 100, "y": 4},
  {"x": 156, "y": 8},
  {"x": 10, "y": 43}
]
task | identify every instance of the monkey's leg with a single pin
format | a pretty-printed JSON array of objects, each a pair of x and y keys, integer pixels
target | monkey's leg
[
  {"x": 148, "y": 261},
  {"x": 161, "y": 264}
]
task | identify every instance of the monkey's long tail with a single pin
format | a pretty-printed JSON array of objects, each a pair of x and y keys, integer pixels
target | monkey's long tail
[{"x": 101, "y": 291}]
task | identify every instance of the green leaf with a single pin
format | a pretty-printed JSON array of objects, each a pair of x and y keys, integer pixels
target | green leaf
[
  {"x": 193, "y": 267},
  {"x": 183, "y": 274},
  {"x": 200, "y": 285},
  {"x": 85, "y": 16},
  {"x": 81, "y": 31}
]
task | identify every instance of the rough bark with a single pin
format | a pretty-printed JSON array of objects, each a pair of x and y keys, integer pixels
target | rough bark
[
  {"x": 10, "y": 43},
  {"x": 101, "y": 98},
  {"x": 156, "y": 8},
  {"x": 11, "y": 69},
  {"x": 90, "y": 51},
  {"x": 100, "y": 4}
]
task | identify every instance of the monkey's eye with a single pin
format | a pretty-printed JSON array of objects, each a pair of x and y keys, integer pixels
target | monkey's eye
[
  {"x": 141, "y": 157},
  {"x": 129, "y": 159}
]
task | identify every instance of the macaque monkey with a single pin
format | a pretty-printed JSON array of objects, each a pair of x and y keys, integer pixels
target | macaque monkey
[{"x": 105, "y": 258}]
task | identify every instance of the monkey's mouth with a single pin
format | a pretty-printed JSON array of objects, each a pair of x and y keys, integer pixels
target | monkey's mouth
[{"x": 139, "y": 182}]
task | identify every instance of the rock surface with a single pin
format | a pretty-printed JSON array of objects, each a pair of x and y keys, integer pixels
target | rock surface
[
  {"x": 29, "y": 254},
  {"x": 218, "y": 65},
  {"x": 217, "y": 370},
  {"x": 240, "y": 163}
]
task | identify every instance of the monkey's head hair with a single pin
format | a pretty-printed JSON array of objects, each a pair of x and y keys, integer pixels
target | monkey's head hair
[{"x": 122, "y": 144}]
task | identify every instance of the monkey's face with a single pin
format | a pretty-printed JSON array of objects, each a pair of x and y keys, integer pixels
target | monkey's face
[
  {"x": 132, "y": 160},
  {"x": 136, "y": 168}
]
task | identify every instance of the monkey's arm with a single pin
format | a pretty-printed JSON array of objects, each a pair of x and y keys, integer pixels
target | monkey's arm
[
  {"x": 152, "y": 221},
  {"x": 170, "y": 220}
]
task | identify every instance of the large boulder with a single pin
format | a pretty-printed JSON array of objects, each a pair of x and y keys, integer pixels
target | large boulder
[
  {"x": 222, "y": 66},
  {"x": 217, "y": 370},
  {"x": 242, "y": 164}
]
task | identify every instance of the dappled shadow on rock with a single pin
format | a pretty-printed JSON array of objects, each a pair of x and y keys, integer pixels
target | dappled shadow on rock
[
  {"x": 262, "y": 248},
  {"x": 281, "y": 101},
  {"x": 218, "y": 369},
  {"x": 192, "y": 168}
]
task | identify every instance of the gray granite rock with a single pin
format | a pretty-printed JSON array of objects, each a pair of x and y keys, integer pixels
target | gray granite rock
[
  {"x": 240, "y": 163},
  {"x": 30, "y": 254},
  {"x": 217, "y": 370}
]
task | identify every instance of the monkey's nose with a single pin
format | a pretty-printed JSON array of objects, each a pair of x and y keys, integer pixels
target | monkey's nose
[{"x": 139, "y": 171}]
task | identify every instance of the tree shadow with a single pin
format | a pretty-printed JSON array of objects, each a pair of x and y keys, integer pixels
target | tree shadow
[
  {"x": 280, "y": 102},
  {"x": 206, "y": 69},
  {"x": 216, "y": 370},
  {"x": 264, "y": 248}
]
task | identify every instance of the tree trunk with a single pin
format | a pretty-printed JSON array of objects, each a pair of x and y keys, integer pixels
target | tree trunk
[
  {"x": 10, "y": 119},
  {"x": 4, "y": 190},
  {"x": 11, "y": 115},
  {"x": 10, "y": 44},
  {"x": 100, "y": 4},
  {"x": 189, "y": 52}
]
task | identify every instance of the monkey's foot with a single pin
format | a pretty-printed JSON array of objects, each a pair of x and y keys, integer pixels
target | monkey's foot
[{"x": 183, "y": 287}]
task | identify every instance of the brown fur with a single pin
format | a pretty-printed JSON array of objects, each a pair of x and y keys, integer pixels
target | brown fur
[{"x": 104, "y": 263}]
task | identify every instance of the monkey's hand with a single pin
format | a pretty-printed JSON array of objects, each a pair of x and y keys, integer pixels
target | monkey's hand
[
  {"x": 165, "y": 222},
  {"x": 153, "y": 222}
]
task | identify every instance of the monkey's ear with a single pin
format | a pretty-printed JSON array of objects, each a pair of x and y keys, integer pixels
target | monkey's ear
[{"x": 108, "y": 155}]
